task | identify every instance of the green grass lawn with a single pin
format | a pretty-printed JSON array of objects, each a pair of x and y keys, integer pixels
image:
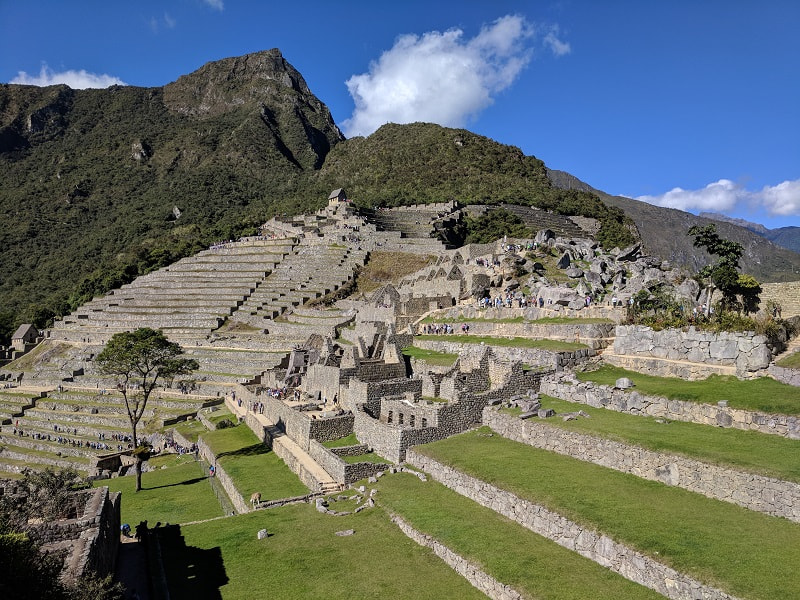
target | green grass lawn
[
  {"x": 512, "y": 342},
  {"x": 532, "y": 564},
  {"x": 303, "y": 558},
  {"x": 769, "y": 455},
  {"x": 790, "y": 362},
  {"x": 764, "y": 394},
  {"x": 178, "y": 493},
  {"x": 252, "y": 466},
  {"x": 432, "y": 357},
  {"x": 350, "y": 440},
  {"x": 748, "y": 554},
  {"x": 190, "y": 429}
]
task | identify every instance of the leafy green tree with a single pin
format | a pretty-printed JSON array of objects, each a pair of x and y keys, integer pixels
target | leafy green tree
[
  {"x": 724, "y": 273},
  {"x": 140, "y": 359}
]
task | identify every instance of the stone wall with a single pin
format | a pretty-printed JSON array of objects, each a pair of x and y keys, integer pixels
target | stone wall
[
  {"x": 472, "y": 573},
  {"x": 238, "y": 501},
  {"x": 600, "y": 548},
  {"x": 530, "y": 356},
  {"x": 744, "y": 352},
  {"x": 717, "y": 415},
  {"x": 787, "y": 294},
  {"x": 754, "y": 492},
  {"x": 341, "y": 471},
  {"x": 789, "y": 376},
  {"x": 92, "y": 538},
  {"x": 295, "y": 465}
]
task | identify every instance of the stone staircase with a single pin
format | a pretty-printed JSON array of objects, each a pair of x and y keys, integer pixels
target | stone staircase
[
  {"x": 538, "y": 219},
  {"x": 190, "y": 298}
]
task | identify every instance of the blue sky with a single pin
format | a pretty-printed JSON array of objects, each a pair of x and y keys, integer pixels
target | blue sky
[{"x": 691, "y": 104}]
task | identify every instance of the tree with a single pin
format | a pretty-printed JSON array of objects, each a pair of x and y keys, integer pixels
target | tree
[
  {"x": 723, "y": 274},
  {"x": 140, "y": 359}
]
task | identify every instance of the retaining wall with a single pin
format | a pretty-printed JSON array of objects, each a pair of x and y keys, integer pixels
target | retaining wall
[
  {"x": 531, "y": 356},
  {"x": 754, "y": 492},
  {"x": 600, "y": 548},
  {"x": 707, "y": 351},
  {"x": 601, "y": 396},
  {"x": 789, "y": 376},
  {"x": 472, "y": 573},
  {"x": 225, "y": 480}
]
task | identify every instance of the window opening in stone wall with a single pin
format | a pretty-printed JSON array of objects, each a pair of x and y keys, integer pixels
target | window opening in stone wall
[
  {"x": 411, "y": 420},
  {"x": 424, "y": 422},
  {"x": 400, "y": 418},
  {"x": 390, "y": 417}
]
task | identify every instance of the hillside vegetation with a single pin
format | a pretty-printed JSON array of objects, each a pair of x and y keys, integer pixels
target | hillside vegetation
[{"x": 100, "y": 186}]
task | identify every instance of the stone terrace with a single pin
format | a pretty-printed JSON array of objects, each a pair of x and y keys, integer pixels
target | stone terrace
[
  {"x": 187, "y": 299},
  {"x": 58, "y": 428},
  {"x": 310, "y": 272}
]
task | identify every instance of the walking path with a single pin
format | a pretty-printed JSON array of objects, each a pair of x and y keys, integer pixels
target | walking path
[{"x": 132, "y": 569}]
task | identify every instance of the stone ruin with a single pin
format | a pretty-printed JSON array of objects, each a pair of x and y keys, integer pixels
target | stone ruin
[{"x": 274, "y": 312}]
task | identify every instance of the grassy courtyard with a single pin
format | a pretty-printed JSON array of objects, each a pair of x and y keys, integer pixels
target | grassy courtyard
[
  {"x": 177, "y": 491},
  {"x": 304, "y": 558},
  {"x": 748, "y": 554},
  {"x": 507, "y": 342},
  {"x": 763, "y": 395},
  {"x": 252, "y": 465}
]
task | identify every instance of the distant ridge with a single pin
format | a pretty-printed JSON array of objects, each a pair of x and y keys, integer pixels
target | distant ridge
[{"x": 664, "y": 233}]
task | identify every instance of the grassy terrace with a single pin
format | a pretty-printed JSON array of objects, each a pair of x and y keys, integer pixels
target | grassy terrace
[
  {"x": 511, "y": 342},
  {"x": 252, "y": 466},
  {"x": 303, "y": 558},
  {"x": 745, "y": 553},
  {"x": 178, "y": 493},
  {"x": 764, "y": 394},
  {"x": 350, "y": 440},
  {"x": 768, "y": 455},
  {"x": 432, "y": 357},
  {"x": 790, "y": 362},
  {"x": 532, "y": 564}
]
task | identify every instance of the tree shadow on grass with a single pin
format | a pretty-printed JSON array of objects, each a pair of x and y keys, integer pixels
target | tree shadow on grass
[
  {"x": 189, "y": 573},
  {"x": 253, "y": 450},
  {"x": 166, "y": 485}
]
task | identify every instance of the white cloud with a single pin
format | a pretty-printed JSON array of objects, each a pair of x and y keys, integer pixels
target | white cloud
[
  {"x": 78, "y": 80},
  {"x": 441, "y": 77},
  {"x": 169, "y": 21},
  {"x": 556, "y": 46},
  {"x": 782, "y": 199},
  {"x": 215, "y": 4},
  {"x": 725, "y": 195}
]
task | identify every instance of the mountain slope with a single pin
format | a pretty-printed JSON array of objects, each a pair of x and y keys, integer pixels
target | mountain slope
[{"x": 664, "y": 233}]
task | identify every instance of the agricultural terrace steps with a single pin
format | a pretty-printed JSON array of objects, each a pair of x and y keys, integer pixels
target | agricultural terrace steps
[
  {"x": 617, "y": 557},
  {"x": 752, "y": 491}
]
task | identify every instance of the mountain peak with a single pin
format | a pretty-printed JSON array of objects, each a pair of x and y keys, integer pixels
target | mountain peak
[{"x": 230, "y": 83}]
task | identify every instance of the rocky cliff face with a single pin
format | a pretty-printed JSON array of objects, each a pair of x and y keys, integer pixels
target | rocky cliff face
[{"x": 266, "y": 85}]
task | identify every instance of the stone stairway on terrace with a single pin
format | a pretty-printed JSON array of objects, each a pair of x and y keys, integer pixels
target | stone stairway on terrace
[
  {"x": 312, "y": 271},
  {"x": 75, "y": 426},
  {"x": 190, "y": 298},
  {"x": 538, "y": 219}
]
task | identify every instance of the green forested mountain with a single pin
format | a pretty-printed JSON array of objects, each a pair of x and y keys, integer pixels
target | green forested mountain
[{"x": 98, "y": 186}]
